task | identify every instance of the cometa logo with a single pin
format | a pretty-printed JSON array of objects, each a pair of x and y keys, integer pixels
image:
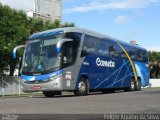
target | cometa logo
[{"x": 103, "y": 63}]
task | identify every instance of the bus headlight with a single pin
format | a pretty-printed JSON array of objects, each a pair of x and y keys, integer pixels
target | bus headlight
[{"x": 55, "y": 77}]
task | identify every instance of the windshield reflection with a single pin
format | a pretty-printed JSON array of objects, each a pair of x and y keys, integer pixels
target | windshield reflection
[{"x": 41, "y": 56}]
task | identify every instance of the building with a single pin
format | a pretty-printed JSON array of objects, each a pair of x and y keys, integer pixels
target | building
[
  {"x": 48, "y": 9},
  {"x": 30, "y": 14}
]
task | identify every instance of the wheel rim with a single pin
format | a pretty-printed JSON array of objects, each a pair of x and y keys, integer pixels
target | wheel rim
[
  {"x": 139, "y": 84},
  {"x": 82, "y": 87},
  {"x": 132, "y": 85}
]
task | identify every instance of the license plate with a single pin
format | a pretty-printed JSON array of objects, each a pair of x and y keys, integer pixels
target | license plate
[{"x": 37, "y": 87}]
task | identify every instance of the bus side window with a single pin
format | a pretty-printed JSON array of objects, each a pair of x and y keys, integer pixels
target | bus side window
[
  {"x": 139, "y": 55},
  {"x": 122, "y": 53},
  {"x": 76, "y": 37},
  {"x": 102, "y": 47},
  {"x": 67, "y": 54},
  {"x": 132, "y": 53},
  {"x": 113, "y": 51},
  {"x": 89, "y": 46},
  {"x": 145, "y": 56}
]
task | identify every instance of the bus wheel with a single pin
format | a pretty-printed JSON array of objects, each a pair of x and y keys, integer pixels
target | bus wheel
[
  {"x": 51, "y": 93},
  {"x": 82, "y": 88},
  {"x": 138, "y": 85},
  {"x": 132, "y": 86}
]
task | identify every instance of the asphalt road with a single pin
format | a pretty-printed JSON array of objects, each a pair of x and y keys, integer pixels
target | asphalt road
[{"x": 145, "y": 101}]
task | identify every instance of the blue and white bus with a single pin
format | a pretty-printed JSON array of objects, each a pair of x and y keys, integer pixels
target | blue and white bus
[{"x": 79, "y": 60}]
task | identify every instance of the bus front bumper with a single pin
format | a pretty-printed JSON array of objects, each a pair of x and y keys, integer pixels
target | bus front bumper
[{"x": 36, "y": 86}]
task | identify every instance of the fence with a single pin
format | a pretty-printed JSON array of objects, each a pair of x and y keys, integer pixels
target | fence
[
  {"x": 10, "y": 86},
  {"x": 154, "y": 83}
]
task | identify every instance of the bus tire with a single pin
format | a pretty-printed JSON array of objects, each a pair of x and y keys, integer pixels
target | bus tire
[
  {"x": 132, "y": 86},
  {"x": 82, "y": 88},
  {"x": 138, "y": 85},
  {"x": 51, "y": 93}
]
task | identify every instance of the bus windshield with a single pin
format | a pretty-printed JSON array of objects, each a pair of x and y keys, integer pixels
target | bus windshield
[{"x": 41, "y": 56}]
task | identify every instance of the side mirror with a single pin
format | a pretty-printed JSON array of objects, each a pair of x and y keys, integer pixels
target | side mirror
[
  {"x": 15, "y": 50},
  {"x": 61, "y": 42}
]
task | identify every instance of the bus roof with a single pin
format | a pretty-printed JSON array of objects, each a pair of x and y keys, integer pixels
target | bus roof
[{"x": 80, "y": 30}]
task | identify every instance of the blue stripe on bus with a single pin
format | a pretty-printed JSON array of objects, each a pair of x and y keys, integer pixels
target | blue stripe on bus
[
  {"x": 41, "y": 77},
  {"x": 45, "y": 34}
]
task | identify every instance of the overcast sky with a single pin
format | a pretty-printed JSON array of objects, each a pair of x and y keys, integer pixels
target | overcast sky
[{"x": 123, "y": 19}]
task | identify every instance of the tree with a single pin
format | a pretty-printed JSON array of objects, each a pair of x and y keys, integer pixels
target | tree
[
  {"x": 52, "y": 24},
  {"x": 154, "y": 56},
  {"x": 57, "y": 23},
  {"x": 68, "y": 24},
  {"x": 37, "y": 25},
  {"x": 49, "y": 25},
  {"x": 14, "y": 26},
  {"x": 15, "y": 29}
]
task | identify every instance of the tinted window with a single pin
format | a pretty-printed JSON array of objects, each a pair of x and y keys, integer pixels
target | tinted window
[
  {"x": 89, "y": 45},
  {"x": 145, "y": 56},
  {"x": 139, "y": 55},
  {"x": 67, "y": 54},
  {"x": 102, "y": 47},
  {"x": 76, "y": 37},
  {"x": 113, "y": 49},
  {"x": 142, "y": 56},
  {"x": 129, "y": 50},
  {"x": 132, "y": 53}
]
